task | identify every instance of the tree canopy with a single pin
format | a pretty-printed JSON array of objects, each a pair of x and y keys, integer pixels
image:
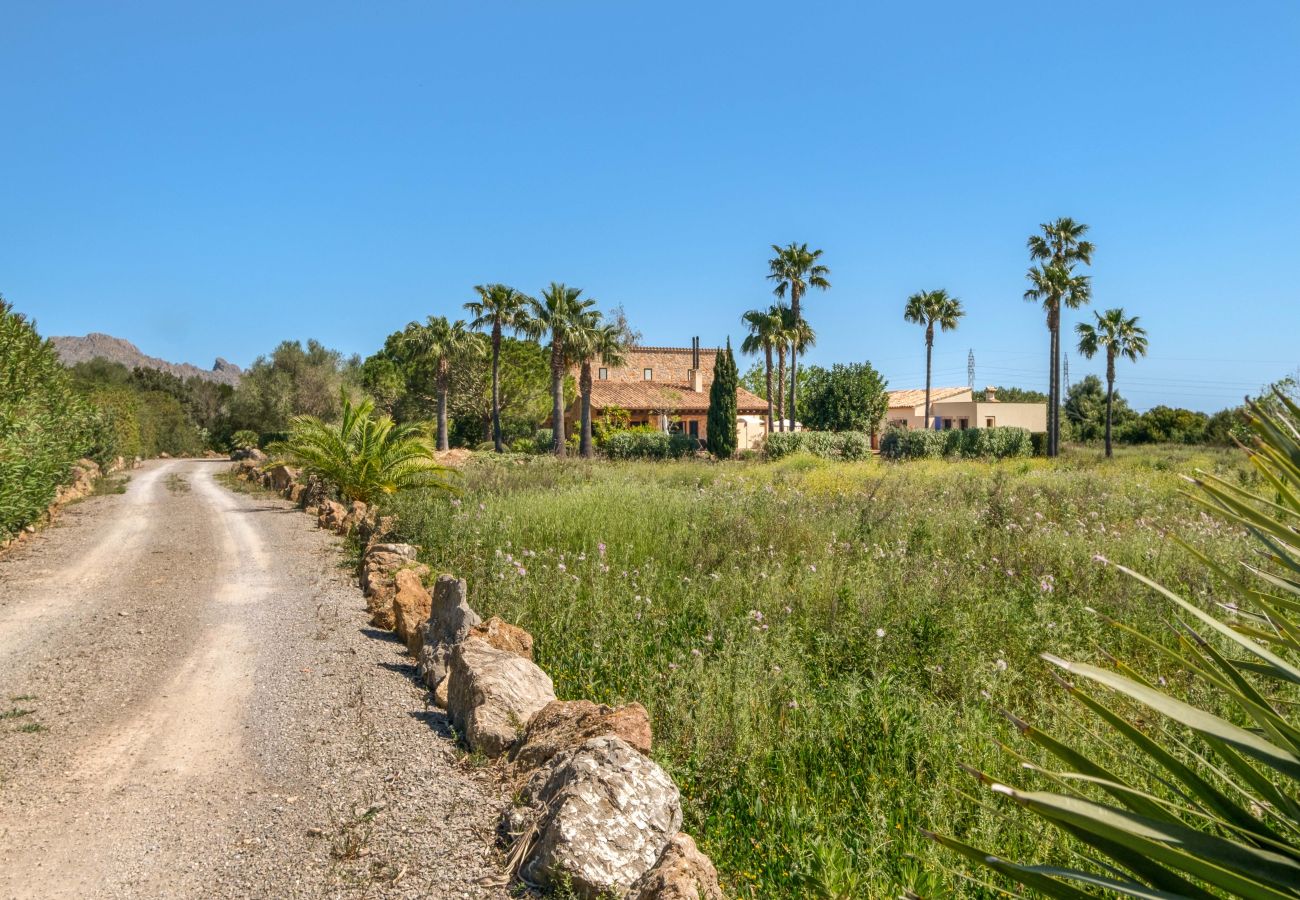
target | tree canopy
[{"x": 845, "y": 397}]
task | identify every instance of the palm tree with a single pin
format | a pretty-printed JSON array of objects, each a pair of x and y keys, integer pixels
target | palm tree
[
  {"x": 930, "y": 308},
  {"x": 501, "y": 307},
  {"x": 764, "y": 334},
  {"x": 1059, "y": 247},
  {"x": 799, "y": 336},
  {"x": 365, "y": 457},
  {"x": 558, "y": 313},
  {"x": 436, "y": 344},
  {"x": 795, "y": 269},
  {"x": 1120, "y": 336},
  {"x": 593, "y": 338}
]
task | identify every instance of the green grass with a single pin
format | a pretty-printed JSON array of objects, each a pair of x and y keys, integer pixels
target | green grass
[{"x": 821, "y": 644}]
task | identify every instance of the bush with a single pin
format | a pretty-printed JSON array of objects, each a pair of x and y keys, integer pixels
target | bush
[
  {"x": 244, "y": 440},
  {"x": 523, "y": 445},
  {"x": 825, "y": 444},
  {"x": 45, "y": 426},
  {"x": 971, "y": 443},
  {"x": 1038, "y": 443},
  {"x": 648, "y": 445}
]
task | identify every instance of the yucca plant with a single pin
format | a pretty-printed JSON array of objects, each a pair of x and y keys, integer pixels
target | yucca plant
[
  {"x": 364, "y": 456},
  {"x": 1207, "y": 803}
]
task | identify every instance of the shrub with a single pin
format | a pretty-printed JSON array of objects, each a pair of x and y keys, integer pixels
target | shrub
[
  {"x": 824, "y": 444},
  {"x": 44, "y": 425},
  {"x": 971, "y": 443},
  {"x": 1200, "y": 786},
  {"x": 243, "y": 440},
  {"x": 648, "y": 445},
  {"x": 365, "y": 457},
  {"x": 523, "y": 445},
  {"x": 1038, "y": 443}
]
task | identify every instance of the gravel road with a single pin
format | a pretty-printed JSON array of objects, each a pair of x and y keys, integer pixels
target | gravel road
[{"x": 192, "y": 705}]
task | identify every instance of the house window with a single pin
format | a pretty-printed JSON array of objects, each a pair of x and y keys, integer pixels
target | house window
[
  {"x": 947, "y": 424},
  {"x": 647, "y": 374},
  {"x": 965, "y": 423},
  {"x": 990, "y": 422},
  {"x": 603, "y": 374},
  {"x": 695, "y": 428}
]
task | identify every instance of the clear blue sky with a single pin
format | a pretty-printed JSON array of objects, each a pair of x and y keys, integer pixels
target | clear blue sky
[{"x": 208, "y": 179}]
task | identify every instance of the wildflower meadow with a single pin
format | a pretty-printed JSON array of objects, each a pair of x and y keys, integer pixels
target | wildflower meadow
[{"x": 821, "y": 644}]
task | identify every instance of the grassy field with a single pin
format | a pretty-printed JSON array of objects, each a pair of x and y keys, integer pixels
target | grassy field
[{"x": 821, "y": 644}]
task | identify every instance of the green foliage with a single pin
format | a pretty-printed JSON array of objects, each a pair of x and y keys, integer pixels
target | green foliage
[
  {"x": 525, "y": 379},
  {"x": 845, "y": 397},
  {"x": 1085, "y": 409},
  {"x": 1019, "y": 395},
  {"x": 1193, "y": 794},
  {"x": 291, "y": 381},
  {"x": 1038, "y": 443},
  {"x": 648, "y": 444},
  {"x": 811, "y": 743},
  {"x": 45, "y": 426},
  {"x": 244, "y": 440},
  {"x": 970, "y": 443},
  {"x": 1166, "y": 425},
  {"x": 848, "y": 445},
  {"x": 366, "y": 458},
  {"x": 722, "y": 426}
]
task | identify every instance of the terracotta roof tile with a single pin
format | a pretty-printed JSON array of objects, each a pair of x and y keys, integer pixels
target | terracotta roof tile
[
  {"x": 659, "y": 395},
  {"x": 916, "y": 396}
]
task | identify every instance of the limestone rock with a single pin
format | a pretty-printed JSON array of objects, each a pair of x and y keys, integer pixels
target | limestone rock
[
  {"x": 314, "y": 493},
  {"x": 411, "y": 604},
  {"x": 440, "y": 694},
  {"x": 450, "y": 621},
  {"x": 504, "y": 636},
  {"x": 355, "y": 515},
  {"x": 605, "y": 813},
  {"x": 492, "y": 694},
  {"x": 565, "y": 724},
  {"x": 281, "y": 477},
  {"x": 331, "y": 515},
  {"x": 682, "y": 873}
]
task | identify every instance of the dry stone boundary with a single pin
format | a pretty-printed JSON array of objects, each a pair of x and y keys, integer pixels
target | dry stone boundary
[{"x": 596, "y": 813}]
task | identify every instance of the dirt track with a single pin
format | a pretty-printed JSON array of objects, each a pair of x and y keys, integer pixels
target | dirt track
[{"x": 193, "y": 706}]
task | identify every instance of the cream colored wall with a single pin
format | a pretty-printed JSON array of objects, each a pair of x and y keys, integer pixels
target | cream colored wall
[{"x": 1032, "y": 416}]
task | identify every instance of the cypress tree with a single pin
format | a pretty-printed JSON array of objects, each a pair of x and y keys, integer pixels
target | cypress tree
[{"x": 722, "y": 405}]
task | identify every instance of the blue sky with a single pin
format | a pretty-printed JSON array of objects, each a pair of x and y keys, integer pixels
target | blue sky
[{"x": 208, "y": 179}]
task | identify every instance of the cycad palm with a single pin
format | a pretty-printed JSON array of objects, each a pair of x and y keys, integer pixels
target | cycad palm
[
  {"x": 365, "y": 457},
  {"x": 558, "y": 313},
  {"x": 593, "y": 338},
  {"x": 765, "y": 334},
  {"x": 1119, "y": 335},
  {"x": 499, "y": 307},
  {"x": 795, "y": 268},
  {"x": 930, "y": 308},
  {"x": 1053, "y": 283},
  {"x": 433, "y": 346}
]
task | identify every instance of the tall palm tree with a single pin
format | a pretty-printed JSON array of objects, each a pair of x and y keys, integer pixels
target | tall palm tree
[
  {"x": 795, "y": 268},
  {"x": 764, "y": 334},
  {"x": 558, "y": 313},
  {"x": 1060, "y": 246},
  {"x": 930, "y": 308},
  {"x": 499, "y": 307},
  {"x": 799, "y": 336},
  {"x": 593, "y": 338},
  {"x": 436, "y": 344},
  {"x": 1120, "y": 336}
]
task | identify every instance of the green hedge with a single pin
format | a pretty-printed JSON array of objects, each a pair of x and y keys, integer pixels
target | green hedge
[
  {"x": 826, "y": 444},
  {"x": 45, "y": 426},
  {"x": 648, "y": 445},
  {"x": 972, "y": 443}
]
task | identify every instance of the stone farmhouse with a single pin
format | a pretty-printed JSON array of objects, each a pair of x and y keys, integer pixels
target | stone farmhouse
[
  {"x": 668, "y": 388},
  {"x": 959, "y": 407}
]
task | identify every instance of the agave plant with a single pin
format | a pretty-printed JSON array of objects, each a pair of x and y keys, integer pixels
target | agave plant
[
  {"x": 1208, "y": 803},
  {"x": 364, "y": 456}
]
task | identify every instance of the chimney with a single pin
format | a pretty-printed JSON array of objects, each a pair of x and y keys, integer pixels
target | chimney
[
  {"x": 989, "y": 395},
  {"x": 694, "y": 376}
]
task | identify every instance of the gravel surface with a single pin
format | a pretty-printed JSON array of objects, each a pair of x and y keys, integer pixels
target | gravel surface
[{"x": 192, "y": 705}]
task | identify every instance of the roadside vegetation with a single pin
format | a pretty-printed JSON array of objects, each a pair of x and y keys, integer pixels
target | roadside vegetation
[{"x": 822, "y": 644}]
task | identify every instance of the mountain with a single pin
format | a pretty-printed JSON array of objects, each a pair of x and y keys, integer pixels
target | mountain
[{"x": 73, "y": 350}]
